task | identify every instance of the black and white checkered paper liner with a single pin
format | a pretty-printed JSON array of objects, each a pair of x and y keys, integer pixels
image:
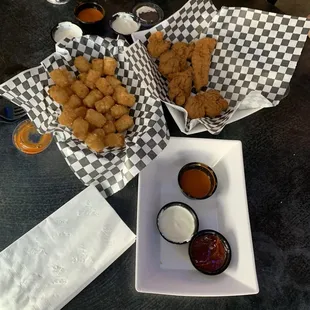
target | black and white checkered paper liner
[
  {"x": 256, "y": 51},
  {"x": 112, "y": 169}
]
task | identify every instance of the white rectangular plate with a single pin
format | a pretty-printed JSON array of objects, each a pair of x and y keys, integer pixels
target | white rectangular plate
[{"x": 164, "y": 268}]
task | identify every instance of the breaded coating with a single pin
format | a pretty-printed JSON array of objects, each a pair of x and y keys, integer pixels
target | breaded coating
[
  {"x": 105, "y": 104},
  {"x": 123, "y": 123},
  {"x": 169, "y": 63},
  {"x": 183, "y": 50},
  {"x": 157, "y": 45},
  {"x": 80, "y": 89},
  {"x": 92, "y": 97},
  {"x": 104, "y": 86},
  {"x": 95, "y": 118},
  {"x": 82, "y": 64},
  {"x": 80, "y": 128}
]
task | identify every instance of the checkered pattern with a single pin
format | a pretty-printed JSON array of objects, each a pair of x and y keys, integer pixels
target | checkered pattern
[
  {"x": 111, "y": 170},
  {"x": 256, "y": 51}
]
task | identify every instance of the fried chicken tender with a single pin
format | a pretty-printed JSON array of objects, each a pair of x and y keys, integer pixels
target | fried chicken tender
[
  {"x": 123, "y": 123},
  {"x": 97, "y": 65},
  {"x": 209, "y": 103},
  {"x": 157, "y": 45},
  {"x": 80, "y": 89},
  {"x": 122, "y": 97},
  {"x": 61, "y": 77},
  {"x": 114, "y": 140},
  {"x": 80, "y": 128},
  {"x": 74, "y": 102},
  {"x": 95, "y": 142},
  {"x": 92, "y": 97},
  {"x": 95, "y": 118},
  {"x": 183, "y": 50},
  {"x": 82, "y": 64},
  {"x": 201, "y": 61},
  {"x": 105, "y": 104},
  {"x": 118, "y": 110},
  {"x": 58, "y": 94},
  {"x": 67, "y": 117},
  {"x": 170, "y": 62},
  {"x": 109, "y": 66},
  {"x": 109, "y": 127},
  {"x": 180, "y": 86},
  {"x": 104, "y": 86},
  {"x": 114, "y": 82},
  {"x": 91, "y": 78}
]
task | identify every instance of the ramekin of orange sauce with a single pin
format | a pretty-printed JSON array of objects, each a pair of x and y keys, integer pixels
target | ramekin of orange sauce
[
  {"x": 197, "y": 181},
  {"x": 89, "y": 13}
]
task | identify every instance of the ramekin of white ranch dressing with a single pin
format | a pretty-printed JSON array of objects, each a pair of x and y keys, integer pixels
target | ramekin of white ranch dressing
[
  {"x": 177, "y": 222},
  {"x": 66, "y": 30},
  {"x": 124, "y": 23}
]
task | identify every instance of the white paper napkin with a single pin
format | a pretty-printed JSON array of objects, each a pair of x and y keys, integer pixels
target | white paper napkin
[{"x": 58, "y": 258}]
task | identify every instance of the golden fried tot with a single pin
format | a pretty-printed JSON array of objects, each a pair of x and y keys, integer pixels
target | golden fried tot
[
  {"x": 105, "y": 104},
  {"x": 91, "y": 78},
  {"x": 97, "y": 65},
  {"x": 109, "y": 127},
  {"x": 95, "y": 118},
  {"x": 109, "y": 66},
  {"x": 80, "y": 128},
  {"x": 104, "y": 86},
  {"x": 74, "y": 102},
  {"x": 114, "y": 82},
  {"x": 92, "y": 97},
  {"x": 82, "y": 64},
  {"x": 109, "y": 117},
  {"x": 123, "y": 123},
  {"x": 80, "y": 111},
  {"x": 94, "y": 142},
  {"x": 68, "y": 90},
  {"x": 114, "y": 140},
  {"x": 118, "y": 110},
  {"x": 82, "y": 77},
  {"x": 100, "y": 132},
  {"x": 80, "y": 89},
  {"x": 123, "y": 97},
  {"x": 58, "y": 94},
  {"x": 67, "y": 117},
  {"x": 61, "y": 77}
]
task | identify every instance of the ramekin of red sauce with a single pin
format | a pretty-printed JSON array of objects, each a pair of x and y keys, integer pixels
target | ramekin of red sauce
[
  {"x": 197, "y": 180},
  {"x": 89, "y": 13},
  {"x": 209, "y": 252}
]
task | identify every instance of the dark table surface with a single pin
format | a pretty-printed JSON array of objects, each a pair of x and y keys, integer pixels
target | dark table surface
[{"x": 276, "y": 148}]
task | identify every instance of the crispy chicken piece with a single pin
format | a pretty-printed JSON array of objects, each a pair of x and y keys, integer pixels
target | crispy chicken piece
[
  {"x": 201, "y": 60},
  {"x": 209, "y": 103},
  {"x": 170, "y": 62},
  {"x": 180, "y": 86},
  {"x": 157, "y": 45},
  {"x": 183, "y": 49}
]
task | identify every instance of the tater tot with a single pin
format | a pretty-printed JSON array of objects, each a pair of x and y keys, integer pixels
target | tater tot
[
  {"x": 95, "y": 118},
  {"x": 67, "y": 117},
  {"x": 74, "y": 102},
  {"x": 82, "y": 77},
  {"x": 80, "y": 128},
  {"x": 119, "y": 90},
  {"x": 97, "y": 65},
  {"x": 61, "y": 77},
  {"x": 109, "y": 117},
  {"x": 114, "y": 82},
  {"x": 80, "y": 111},
  {"x": 58, "y": 94},
  {"x": 100, "y": 132},
  {"x": 68, "y": 90},
  {"x": 124, "y": 98},
  {"x": 109, "y": 127},
  {"x": 123, "y": 123},
  {"x": 92, "y": 97},
  {"x": 82, "y": 64},
  {"x": 118, "y": 110},
  {"x": 91, "y": 78},
  {"x": 94, "y": 142},
  {"x": 105, "y": 104},
  {"x": 104, "y": 86},
  {"x": 80, "y": 89},
  {"x": 109, "y": 66},
  {"x": 114, "y": 140}
]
